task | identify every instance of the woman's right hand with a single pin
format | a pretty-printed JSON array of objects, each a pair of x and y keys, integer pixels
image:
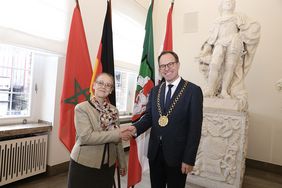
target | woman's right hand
[{"x": 125, "y": 133}]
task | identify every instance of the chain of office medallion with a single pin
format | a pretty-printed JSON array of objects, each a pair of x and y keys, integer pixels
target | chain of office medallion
[{"x": 173, "y": 103}]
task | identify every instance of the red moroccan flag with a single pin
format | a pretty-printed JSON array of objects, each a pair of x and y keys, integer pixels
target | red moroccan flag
[
  {"x": 168, "y": 43},
  {"x": 77, "y": 79},
  {"x": 105, "y": 57}
]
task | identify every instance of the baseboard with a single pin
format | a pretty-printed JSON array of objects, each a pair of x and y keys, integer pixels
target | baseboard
[
  {"x": 277, "y": 169},
  {"x": 57, "y": 169}
]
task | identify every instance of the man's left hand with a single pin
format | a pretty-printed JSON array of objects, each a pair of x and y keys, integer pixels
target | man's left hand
[
  {"x": 185, "y": 168},
  {"x": 122, "y": 171}
]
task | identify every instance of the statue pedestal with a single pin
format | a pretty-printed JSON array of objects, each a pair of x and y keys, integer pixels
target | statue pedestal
[
  {"x": 224, "y": 104},
  {"x": 221, "y": 155}
]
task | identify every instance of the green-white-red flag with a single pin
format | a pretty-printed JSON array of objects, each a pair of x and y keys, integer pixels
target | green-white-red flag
[{"x": 145, "y": 82}]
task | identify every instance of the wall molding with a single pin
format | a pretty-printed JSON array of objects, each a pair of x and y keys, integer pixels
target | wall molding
[
  {"x": 269, "y": 167},
  {"x": 57, "y": 169},
  {"x": 273, "y": 168}
]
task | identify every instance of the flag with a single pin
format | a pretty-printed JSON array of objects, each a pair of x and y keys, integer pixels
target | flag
[
  {"x": 78, "y": 71},
  {"x": 146, "y": 80},
  {"x": 105, "y": 57},
  {"x": 168, "y": 43}
]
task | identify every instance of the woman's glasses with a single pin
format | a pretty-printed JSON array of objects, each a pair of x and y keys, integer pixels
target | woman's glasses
[{"x": 103, "y": 84}]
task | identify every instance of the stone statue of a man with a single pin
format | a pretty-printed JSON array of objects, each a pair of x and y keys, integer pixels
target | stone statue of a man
[{"x": 226, "y": 56}]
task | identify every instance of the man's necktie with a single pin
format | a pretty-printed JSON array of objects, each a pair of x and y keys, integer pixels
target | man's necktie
[{"x": 167, "y": 98}]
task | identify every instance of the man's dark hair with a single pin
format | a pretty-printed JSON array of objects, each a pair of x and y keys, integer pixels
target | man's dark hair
[{"x": 169, "y": 52}]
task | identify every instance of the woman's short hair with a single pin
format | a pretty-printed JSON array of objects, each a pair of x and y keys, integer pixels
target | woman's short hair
[{"x": 108, "y": 74}]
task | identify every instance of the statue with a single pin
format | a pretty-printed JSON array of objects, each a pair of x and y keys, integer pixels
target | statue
[{"x": 225, "y": 58}]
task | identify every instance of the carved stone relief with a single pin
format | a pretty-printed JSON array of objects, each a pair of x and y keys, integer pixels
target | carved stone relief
[{"x": 221, "y": 153}]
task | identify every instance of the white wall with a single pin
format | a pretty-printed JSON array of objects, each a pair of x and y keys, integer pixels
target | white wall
[{"x": 265, "y": 103}]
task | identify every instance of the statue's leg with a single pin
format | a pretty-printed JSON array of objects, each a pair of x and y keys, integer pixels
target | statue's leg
[
  {"x": 215, "y": 64},
  {"x": 231, "y": 60}
]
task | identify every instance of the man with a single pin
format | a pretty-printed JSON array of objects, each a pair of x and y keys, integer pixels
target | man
[{"x": 175, "y": 116}]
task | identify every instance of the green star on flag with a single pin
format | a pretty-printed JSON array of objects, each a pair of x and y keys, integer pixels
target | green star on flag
[{"x": 78, "y": 92}]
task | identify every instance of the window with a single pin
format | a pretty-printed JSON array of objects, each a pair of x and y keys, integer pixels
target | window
[
  {"x": 24, "y": 94},
  {"x": 128, "y": 36},
  {"x": 125, "y": 90},
  {"x": 15, "y": 81},
  {"x": 36, "y": 33}
]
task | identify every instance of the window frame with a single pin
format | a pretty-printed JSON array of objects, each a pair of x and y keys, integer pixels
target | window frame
[
  {"x": 35, "y": 111},
  {"x": 11, "y": 92}
]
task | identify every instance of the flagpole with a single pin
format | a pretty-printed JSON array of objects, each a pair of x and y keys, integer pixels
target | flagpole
[
  {"x": 110, "y": 2},
  {"x": 77, "y": 4},
  {"x": 117, "y": 166}
]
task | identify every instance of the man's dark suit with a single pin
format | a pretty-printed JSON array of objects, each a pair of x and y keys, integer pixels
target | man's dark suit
[{"x": 179, "y": 139}]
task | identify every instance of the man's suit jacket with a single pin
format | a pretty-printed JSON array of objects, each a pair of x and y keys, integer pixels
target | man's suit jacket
[
  {"x": 91, "y": 139},
  {"x": 181, "y": 136}
]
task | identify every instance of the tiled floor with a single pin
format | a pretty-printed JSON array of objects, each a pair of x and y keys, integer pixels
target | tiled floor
[{"x": 253, "y": 179}]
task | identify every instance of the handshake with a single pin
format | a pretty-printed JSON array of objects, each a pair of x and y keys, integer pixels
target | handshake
[{"x": 127, "y": 132}]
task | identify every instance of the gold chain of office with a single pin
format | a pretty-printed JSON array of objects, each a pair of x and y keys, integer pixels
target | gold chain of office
[{"x": 163, "y": 120}]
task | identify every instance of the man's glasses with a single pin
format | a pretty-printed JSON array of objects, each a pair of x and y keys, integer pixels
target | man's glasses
[
  {"x": 169, "y": 65},
  {"x": 106, "y": 85}
]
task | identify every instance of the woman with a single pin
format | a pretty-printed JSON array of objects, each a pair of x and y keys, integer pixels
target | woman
[{"x": 98, "y": 140}]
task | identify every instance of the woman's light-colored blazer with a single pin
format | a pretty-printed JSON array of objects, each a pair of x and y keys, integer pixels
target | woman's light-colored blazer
[{"x": 91, "y": 139}]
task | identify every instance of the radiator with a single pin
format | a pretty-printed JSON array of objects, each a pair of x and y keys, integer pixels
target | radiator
[{"x": 22, "y": 158}]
